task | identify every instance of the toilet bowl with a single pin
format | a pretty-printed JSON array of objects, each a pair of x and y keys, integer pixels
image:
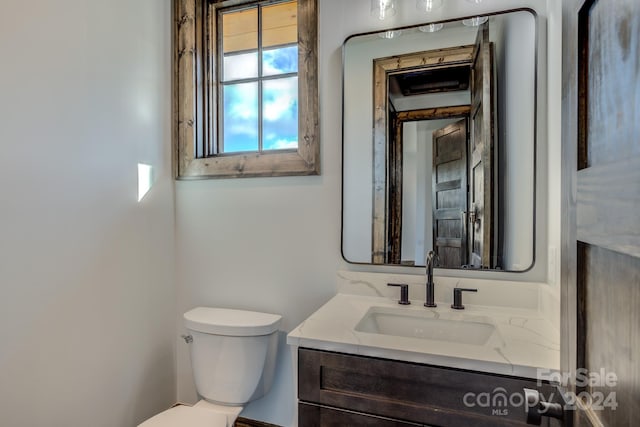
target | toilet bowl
[
  {"x": 233, "y": 355},
  {"x": 191, "y": 416}
]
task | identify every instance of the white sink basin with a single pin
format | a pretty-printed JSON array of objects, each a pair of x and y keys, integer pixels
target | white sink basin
[{"x": 428, "y": 325}]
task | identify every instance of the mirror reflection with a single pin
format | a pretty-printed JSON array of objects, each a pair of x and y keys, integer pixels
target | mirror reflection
[{"x": 450, "y": 164}]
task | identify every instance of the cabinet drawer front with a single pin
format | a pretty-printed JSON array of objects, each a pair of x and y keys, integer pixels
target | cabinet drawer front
[
  {"x": 319, "y": 416},
  {"x": 412, "y": 392}
]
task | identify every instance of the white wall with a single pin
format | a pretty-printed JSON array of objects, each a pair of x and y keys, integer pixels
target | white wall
[
  {"x": 410, "y": 197},
  {"x": 553, "y": 157},
  {"x": 515, "y": 140},
  {"x": 86, "y": 272},
  {"x": 417, "y": 203}
]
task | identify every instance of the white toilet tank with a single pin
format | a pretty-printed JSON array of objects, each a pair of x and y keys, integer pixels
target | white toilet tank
[{"x": 233, "y": 353}]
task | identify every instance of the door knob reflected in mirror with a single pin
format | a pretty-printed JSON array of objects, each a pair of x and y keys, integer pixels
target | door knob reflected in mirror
[{"x": 472, "y": 215}]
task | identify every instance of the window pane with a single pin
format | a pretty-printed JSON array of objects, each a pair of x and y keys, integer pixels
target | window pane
[
  {"x": 280, "y": 24},
  {"x": 240, "y": 30},
  {"x": 240, "y": 66},
  {"x": 280, "y": 61},
  {"x": 240, "y": 117},
  {"x": 280, "y": 113}
]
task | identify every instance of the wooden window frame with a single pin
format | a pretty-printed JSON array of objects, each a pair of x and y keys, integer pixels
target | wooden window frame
[{"x": 195, "y": 99}]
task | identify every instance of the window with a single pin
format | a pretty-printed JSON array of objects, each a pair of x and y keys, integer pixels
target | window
[
  {"x": 245, "y": 99},
  {"x": 258, "y": 95}
]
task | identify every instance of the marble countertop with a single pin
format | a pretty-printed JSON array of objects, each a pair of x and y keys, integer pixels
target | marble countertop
[{"x": 524, "y": 340}]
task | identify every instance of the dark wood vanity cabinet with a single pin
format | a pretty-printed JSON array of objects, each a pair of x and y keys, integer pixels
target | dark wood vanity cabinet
[
  {"x": 336, "y": 390},
  {"x": 311, "y": 415}
]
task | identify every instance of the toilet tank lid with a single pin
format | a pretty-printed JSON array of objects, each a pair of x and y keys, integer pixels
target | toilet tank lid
[{"x": 230, "y": 322}]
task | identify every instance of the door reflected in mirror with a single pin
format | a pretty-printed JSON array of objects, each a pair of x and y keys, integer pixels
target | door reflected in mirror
[{"x": 450, "y": 165}]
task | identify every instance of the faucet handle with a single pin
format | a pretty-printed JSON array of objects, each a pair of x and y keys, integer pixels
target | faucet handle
[
  {"x": 433, "y": 257},
  {"x": 404, "y": 293},
  {"x": 457, "y": 297}
]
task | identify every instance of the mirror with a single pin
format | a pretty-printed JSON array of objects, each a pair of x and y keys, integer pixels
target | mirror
[{"x": 439, "y": 144}]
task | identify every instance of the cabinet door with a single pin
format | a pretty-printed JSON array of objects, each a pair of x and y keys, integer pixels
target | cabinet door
[{"x": 320, "y": 416}]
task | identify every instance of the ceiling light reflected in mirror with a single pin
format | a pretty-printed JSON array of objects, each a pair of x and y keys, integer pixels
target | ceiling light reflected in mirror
[
  {"x": 390, "y": 34},
  {"x": 476, "y": 21},
  {"x": 431, "y": 28}
]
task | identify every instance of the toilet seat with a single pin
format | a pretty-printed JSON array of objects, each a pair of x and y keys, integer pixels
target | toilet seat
[{"x": 187, "y": 416}]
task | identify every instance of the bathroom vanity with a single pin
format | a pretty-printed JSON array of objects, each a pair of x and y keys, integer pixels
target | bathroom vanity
[
  {"x": 345, "y": 389},
  {"x": 454, "y": 171},
  {"x": 364, "y": 359}
]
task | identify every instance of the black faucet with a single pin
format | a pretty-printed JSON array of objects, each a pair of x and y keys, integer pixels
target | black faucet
[
  {"x": 404, "y": 293},
  {"x": 457, "y": 297},
  {"x": 432, "y": 257}
]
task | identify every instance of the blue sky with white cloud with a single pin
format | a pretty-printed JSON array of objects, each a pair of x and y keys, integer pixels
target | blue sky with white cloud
[{"x": 280, "y": 102}]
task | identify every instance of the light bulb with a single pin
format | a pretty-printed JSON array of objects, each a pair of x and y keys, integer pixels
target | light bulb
[
  {"x": 428, "y": 5},
  {"x": 382, "y": 9}
]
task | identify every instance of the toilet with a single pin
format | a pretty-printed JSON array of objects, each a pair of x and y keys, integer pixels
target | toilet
[{"x": 233, "y": 357}]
